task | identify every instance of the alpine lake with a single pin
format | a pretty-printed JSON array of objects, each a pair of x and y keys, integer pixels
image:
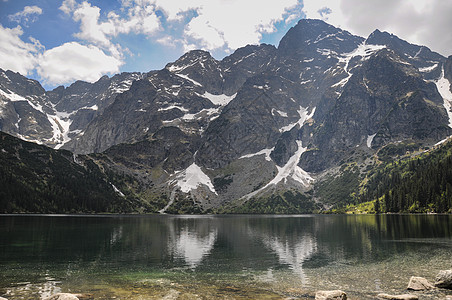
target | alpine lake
[{"x": 221, "y": 257}]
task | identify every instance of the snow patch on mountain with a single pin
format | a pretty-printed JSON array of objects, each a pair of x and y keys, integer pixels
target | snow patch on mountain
[
  {"x": 222, "y": 99},
  {"x": 443, "y": 86},
  {"x": 428, "y": 69},
  {"x": 200, "y": 114},
  {"x": 281, "y": 113},
  {"x": 173, "y": 107},
  {"x": 364, "y": 51},
  {"x": 191, "y": 178},
  {"x": 121, "y": 87},
  {"x": 189, "y": 79},
  {"x": 304, "y": 116},
  {"x": 117, "y": 191},
  {"x": 289, "y": 170},
  {"x": 60, "y": 130},
  {"x": 370, "y": 139},
  {"x": 15, "y": 98},
  {"x": 265, "y": 152}
]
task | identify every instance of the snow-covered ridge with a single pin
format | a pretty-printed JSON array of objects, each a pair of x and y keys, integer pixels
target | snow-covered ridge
[{"x": 191, "y": 178}]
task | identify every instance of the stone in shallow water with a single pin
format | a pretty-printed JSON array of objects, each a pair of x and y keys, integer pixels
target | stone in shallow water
[
  {"x": 444, "y": 279},
  {"x": 330, "y": 295},
  {"x": 62, "y": 296},
  {"x": 419, "y": 284},
  {"x": 68, "y": 296},
  {"x": 397, "y": 297}
]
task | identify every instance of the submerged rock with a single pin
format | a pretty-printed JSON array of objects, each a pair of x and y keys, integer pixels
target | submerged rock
[
  {"x": 444, "y": 279},
  {"x": 397, "y": 297},
  {"x": 62, "y": 296},
  {"x": 68, "y": 296},
  {"x": 419, "y": 284},
  {"x": 331, "y": 295}
]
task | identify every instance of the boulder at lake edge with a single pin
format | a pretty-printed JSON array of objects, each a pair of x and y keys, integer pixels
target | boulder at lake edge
[
  {"x": 419, "y": 284},
  {"x": 330, "y": 295},
  {"x": 444, "y": 279},
  {"x": 68, "y": 296},
  {"x": 62, "y": 296},
  {"x": 397, "y": 297}
]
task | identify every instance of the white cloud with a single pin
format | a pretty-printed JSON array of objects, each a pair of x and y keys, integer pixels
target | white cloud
[
  {"x": 425, "y": 22},
  {"x": 73, "y": 61},
  {"x": 140, "y": 19},
  {"x": 15, "y": 54},
  {"x": 68, "y": 6},
  {"x": 207, "y": 24},
  {"x": 230, "y": 24},
  {"x": 91, "y": 30},
  {"x": 28, "y": 14}
]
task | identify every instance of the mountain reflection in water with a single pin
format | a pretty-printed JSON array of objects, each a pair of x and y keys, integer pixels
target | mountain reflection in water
[{"x": 262, "y": 254}]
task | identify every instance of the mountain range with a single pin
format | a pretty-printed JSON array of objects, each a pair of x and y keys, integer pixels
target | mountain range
[{"x": 288, "y": 129}]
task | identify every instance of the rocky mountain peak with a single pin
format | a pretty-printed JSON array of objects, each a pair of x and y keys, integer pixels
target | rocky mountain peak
[
  {"x": 309, "y": 35},
  {"x": 194, "y": 59},
  {"x": 19, "y": 84},
  {"x": 402, "y": 47}
]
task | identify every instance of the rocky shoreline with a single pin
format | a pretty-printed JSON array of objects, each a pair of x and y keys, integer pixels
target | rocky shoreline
[
  {"x": 416, "y": 289},
  {"x": 442, "y": 281}
]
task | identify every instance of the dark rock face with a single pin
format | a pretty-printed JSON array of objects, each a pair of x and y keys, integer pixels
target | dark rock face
[
  {"x": 245, "y": 63},
  {"x": 169, "y": 147},
  {"x": 385, "y": 99},
  {"x": 323, "y": 97}
]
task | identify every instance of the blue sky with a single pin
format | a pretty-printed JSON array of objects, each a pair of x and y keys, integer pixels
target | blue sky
[{"x": 60, "y": 41}]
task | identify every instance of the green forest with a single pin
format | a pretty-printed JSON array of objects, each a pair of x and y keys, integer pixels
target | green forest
[
  {"x": 38, "y": 179},
  {"x": 415, "y": 185}
]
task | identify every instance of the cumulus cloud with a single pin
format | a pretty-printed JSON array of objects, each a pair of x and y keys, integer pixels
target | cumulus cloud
[
  {"x": 68, "y": 6},
  {"x": 424, "y": 22},
  {"x": 140, "y": 19},
  {"x": 15, "y": 54},
  {"x": 207, "y": 24},
  {"x": 228, "y": 24},
  {"x": 28, "y": 14},
  {"x": 73, "y": 61}
]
